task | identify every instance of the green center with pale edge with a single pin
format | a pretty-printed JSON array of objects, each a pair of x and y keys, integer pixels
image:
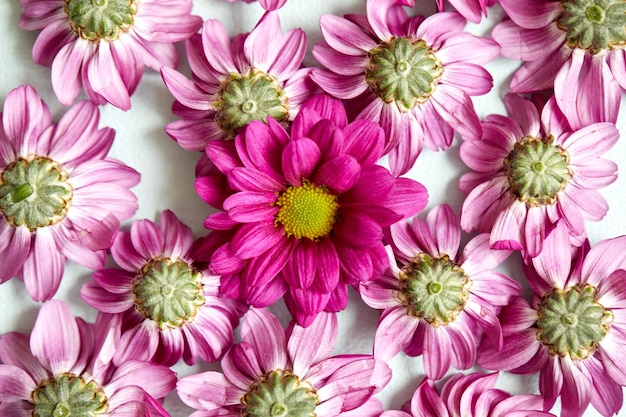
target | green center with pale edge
[
  {"x": 280, "y": 394},
  {"x": 168, "y": 292},
  {"x": 434, "y": 289},
  {"x": 101, "y": 19},
  {"x": 571, "y": 322},
  {"x": 34, "y": 193},
  {"x": 69, "y": 396},
  {"x": 537, "y": 171},
  {"x": 594, "y": 24},
  {"x": 403, "y": 71}
]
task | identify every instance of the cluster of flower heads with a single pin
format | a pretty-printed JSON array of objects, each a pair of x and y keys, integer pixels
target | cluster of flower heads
[{"x": 304, "y": 210}]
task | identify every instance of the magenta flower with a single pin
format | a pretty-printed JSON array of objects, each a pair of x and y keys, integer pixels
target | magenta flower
[
  {"x": 266, "y": 4},
  {"x": 470, "y": 395},
  {"x": 413, "y": 76},
  {"x": 574, "y": 332},
  {"x": 575, "y": 46},
  {"x": 434, "y": 304},
  {"x": 255, "y": 76},
  {"x": 60, "y": 196},
  {"x": 64, "y": 369},
  {"x": 169, "y": 308},
  {"x": 531, "y": 172},
  {"x": 103, "y": 46},
  {"x": 273, "y": 372}
]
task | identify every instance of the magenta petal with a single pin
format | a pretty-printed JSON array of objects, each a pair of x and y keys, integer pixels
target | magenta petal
[
  {"x": 606, "y": 395},
  {"x": 299, "y": 159},
  {"x": 300, "y": 268},
  {"x": 138, "y": 343},
  {"x": 612, "y": 353},
  {"x": 426, "y": 402},
  {"x": 104, "y": 301},
  {"x": 576, "y": 391},
  {"x": 437, "y": 352},
  {"x": 263, "y": 331},
  {"x": 364, "y": 140},
  {"x": 254, "y": 239},
  {"x": 339, "y": 174},
  {"x": 358, "y": 230},
  {"x": 517, "y": 350},
  {"x": 327, "y": 267},
  {"x": 245, "y": 207},
  {"x": 444, "y": 226}
]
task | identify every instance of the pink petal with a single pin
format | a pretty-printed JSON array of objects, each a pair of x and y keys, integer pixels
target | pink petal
[
  {"x": 339, "y": 63},
  {"x": 456, "y": 108},
  {"x": 533, "y": 14},
  {"x": 310, "y": 345},
  {"x": 576, "y": 391},
  {"x": 104, "y": 301},
  {"x": 254, "y": 239},
  {"x": 437, "y": 352},
  {"x": 147, "y": 239},
  {"x": 358, "y": 230},
  {"x": 471, "y": 78},
  {"x": 394, "y": 332},
  {"x": 138, "y": 343},
  {"x": 426, "y": 402},
  {"x": 340, "y": 174},
  {"x": 444, "y": 226},
  {"x": 15, "y": 351},
  {"x": 17, "y": 385},
  {"x": 24, "y": 118},
  {"x": 156, "y": 380},
  {"x": 340, "y": 86},
  {"x": 377, "y": 17},
  {"x": 527, "y": 44},
  {"x": 67, "y": 68},
  {"x": 185, "y": 90},
  {"x": 508, "y": 228},
  {"x": 517, "y": 350},
  {"x": 208, "y": 390},
  {"x": 259, "y": 48},
  {"x": 43, "y": 269},
  {"x": 105, "y": 79},
  {"x": 263, "y": 331},
  {"x": 216, "y": 43},
  {"x": 299, "y": 159},
  {"x": 345, "y": 36},
  {"x": 364, "y": 141}
]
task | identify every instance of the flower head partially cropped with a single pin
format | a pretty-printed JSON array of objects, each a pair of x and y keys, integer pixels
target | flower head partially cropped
[
  {"x": 436, "y": 304},
  {"x": 303, "y": 214},
  {"x": 60, "y": 196},
  {"x": 266, "y": 4},
  {"x": 63, "y": 369},
  {"x": 255, "y": 76},
  {"x": 413, "y": 76},
  {"x": 273, "y": 372},
  {"x": 530, "y": 172},
  {"x": 102, "y": 46},
  {"x": 169, "y": 308},
  {"x": 574, "y": 332}
]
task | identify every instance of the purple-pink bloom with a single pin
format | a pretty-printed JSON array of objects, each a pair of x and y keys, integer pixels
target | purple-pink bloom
[
  {"x": 266, "y": 4},
  {"x": 103, "y": 46},
  {"x": 168, "y": 307},
  {"x": 60, "y": 195},
  {"x": 413, "y": 76},
  {"x": 287, "y": 373},
  {"x": 64, "y": 369},
  {"x": 435, "y": 303}
]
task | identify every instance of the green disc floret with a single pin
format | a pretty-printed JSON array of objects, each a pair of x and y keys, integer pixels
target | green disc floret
[
  {"x": 69, "y": 396},
  {"x": 96, "y": 20},
  {"x": 594, "y": 25}
]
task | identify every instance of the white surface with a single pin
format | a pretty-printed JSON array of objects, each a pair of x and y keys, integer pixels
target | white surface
[{"x": 168, "y": 175}]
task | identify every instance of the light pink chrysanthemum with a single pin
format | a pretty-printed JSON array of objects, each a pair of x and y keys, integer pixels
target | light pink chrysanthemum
[
  {"x": 413, "y": 76},
  {"x": 575, "y": 46},
  {"x": 303, "y": 214},
  {"x": 266, "y": 4},
  {"x": 287, "y": 373},
  {"x": 255, "y": 76},
  {"x": 434, "y": 304},
  {"x": 472, "y": 395},
  {"x": 530, "y": 172},
  {"x": 60, "y": 196},
  {"x": 169, "y": 308},
  {"x": 64, "y": 369},
  {"x": 574, "y": 332},
  {"x": 103, "y": 46}
]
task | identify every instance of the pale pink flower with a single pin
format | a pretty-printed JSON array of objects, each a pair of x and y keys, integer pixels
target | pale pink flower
[
  {"x": 63, "y": 369},
  {"x": 60, "y": 196},
  {"x": 413, "y": 76},
  {"x": 103, "y": 46},
  {"x": 287, "y": 373},
  {"x": 435, "y": 303},
  {"x": 266, "y": 4},
  {"x": 529, "y": 172}
]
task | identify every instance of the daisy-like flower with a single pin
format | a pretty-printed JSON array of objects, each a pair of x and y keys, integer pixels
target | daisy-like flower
[
  {"x": 60, "y": 196},
  {"x": 530, "y": 172},
  {"x": 169, "y": 308},
  {"x": 273, "y": 372},
  {"x": 305, "y": 213},
  {"x": 102, "y": 46},
  {"x": 574, "y": 332},
  {"x": 63, "y": 369},
  {"x": 255, "y": 76},
  {"x": 575, "y": 46},
  {"x": 468, "y": 396},
  {"x": 436, "y": 304},
  {"x": 266, "y": 4},
  {"x": 413, "y": 76}
]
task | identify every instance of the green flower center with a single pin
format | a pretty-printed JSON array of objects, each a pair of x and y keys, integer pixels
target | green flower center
[
  {"x": 280, "y": 394},
  {"x": 594, "y": 24},
  {"x": 168, "y": 292},
  {"x": 69, "y": 395},
  {"x": 434, "y": 289},
  {"x": 403, "y": 71},
  {"x": 95, "y": 20},
  {"x": 571, "y": 322},
  {"x": 243, "y": 98},
  {"x": 34, "y": 192},
  {"x": 306, "y": 211},
  {"x": 537, "y": 171}
]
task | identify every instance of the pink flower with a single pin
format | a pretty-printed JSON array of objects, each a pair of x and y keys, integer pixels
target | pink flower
[
  {"x": 103, "y": 46},
  {"x": 470, "y": 395},
  {"x": 255, "y": 76},
  {"x": 413, "y": 76},
  {"x": 531, "y": 172},
  {"x": 64, "y": 369},
  {"x": 169, "y": 308},
  {"x": 575, "y": 46},
  {"x": 266, "y": 4},
  {"x": 472, "y": 10},
  {"x": 287, "y": 373},
  {"x": 574, "y": 332},
  {"x": 434, "y": 304},
  {"x": 303, "y": 214},
  {"x": 60, "y": 196}
]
